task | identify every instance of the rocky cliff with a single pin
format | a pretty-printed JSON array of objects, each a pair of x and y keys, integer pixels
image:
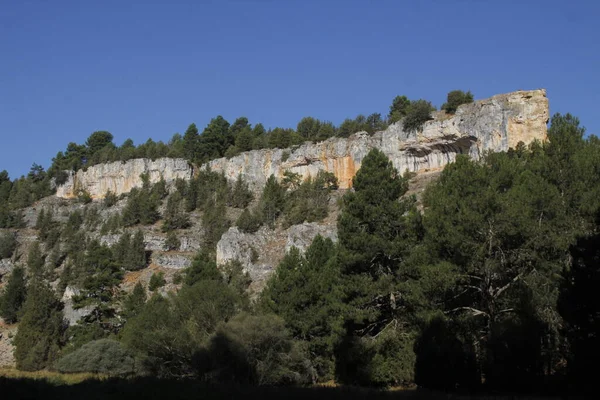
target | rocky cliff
[
  {"x": 494, "y": 124},
  {"x": 120, "y": 177}
]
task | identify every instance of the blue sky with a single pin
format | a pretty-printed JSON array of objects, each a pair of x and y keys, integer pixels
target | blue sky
[{"x": 143, "y": 69}]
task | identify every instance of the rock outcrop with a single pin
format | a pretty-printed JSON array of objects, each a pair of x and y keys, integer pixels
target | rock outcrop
[
  {"x": 260, "y": 252},
  {"x": 494, "y": 124},
  {"x": 120, "y": 177}
]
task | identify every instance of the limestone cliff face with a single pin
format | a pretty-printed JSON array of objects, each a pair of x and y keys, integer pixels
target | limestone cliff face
[
  {"x": 494, "y": 124},
  {"x": 121, "y": 177}
]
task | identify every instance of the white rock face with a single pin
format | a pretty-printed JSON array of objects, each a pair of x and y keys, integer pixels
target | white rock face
[
  {"x": 260, "y": 252},
  {"x": 494, "y": 124},
  {"x": 72, "y": 315},
  {"x": 120, "y": 177}
]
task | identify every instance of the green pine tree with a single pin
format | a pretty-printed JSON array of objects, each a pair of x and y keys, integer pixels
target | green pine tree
[
  {"x": 13, "y": 297},
  {"x": 40, "y": 334}
]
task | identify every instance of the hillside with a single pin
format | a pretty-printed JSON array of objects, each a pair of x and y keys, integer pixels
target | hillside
[
  {"x": 376, "y": 259},
  {"x": 494, "y": 124}
]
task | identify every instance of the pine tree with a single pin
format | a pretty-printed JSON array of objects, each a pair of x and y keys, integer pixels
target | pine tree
[
  {"x": 35, "y": 260},
  {"x": 306, "y": 291},
  {"x": 136, "y": 257},
  {"x": 204, "y": 267},
  {"x": 134, "y": 302},
  {"x": 272, "y": 201},
  {"x": 13, "y": 297},
  {"x": 175, "y": 216},
  {"x": 156, "y": 281},
  {"x": 172, "y": 242},
  {"x": 41, "y": 328}
]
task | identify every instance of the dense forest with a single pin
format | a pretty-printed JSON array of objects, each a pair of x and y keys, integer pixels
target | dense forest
[{"x": 488, "y": 285}]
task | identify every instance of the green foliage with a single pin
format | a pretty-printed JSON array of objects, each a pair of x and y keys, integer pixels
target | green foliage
[
  {"x": 417, "y": 114},
  {"x": 156, "y": 281},
  {"x": 456, "y": 98},
  {"x": 110, "y": 199},
  {"x": 214, "y": 223},
  {"x": 385, "y": 360},
  {"x": 310, "y": 201},
  {"x": 97, "y": 141},
  {"x": 8, "y": 244},
  {"x": 84, "y": 197},
  {"x": 169, "y": 333},
  {"x": 399, "y": 108},
  {"x": 249, "y": 221},
  {"x": 102, "y": 356},
  {"x": 172, "y": 242},
  {"x": 130, "y": 252},
  {"x": 190, "y": 141},
  {"x": 255, "y": 350},
  {"x": 175, "y": 216},
  {"x": 134, "y": 302},
  {"x": 13, "y": 296},
  {"x": 308, "y": 127},
  {"x": 204, "y": 267},
  {"x": 142, "y": 205},
  {"x": 240, "y": 194},
  {"x": 306, "y": 291},
  {"x": 35, "y": 260},
  {"x": 49, "y": 230},
  {"x": 41, "y": 328},
  {"x": 580, "y": 307},
  {"x": 272, "y": 201}
]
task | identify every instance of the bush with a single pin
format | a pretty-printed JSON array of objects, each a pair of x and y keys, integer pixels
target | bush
[
  {"x": 102, "y": 356},
  {"x": 157, "y": 281},
  {"x": 388, "y": 360},
  {"x": 172, "y": 242},
  {"x": 249, "y": 221},
  {"x": 84, "y": 197},
  {"x": 418, "y": 113},
  {"x": 255, "y": 350},
  {"x": 110, "y": 199},
  {"x": 455, "y": 98}
]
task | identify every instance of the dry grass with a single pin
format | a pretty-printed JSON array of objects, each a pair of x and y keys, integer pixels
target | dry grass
[{"x": 55, "y": 378}]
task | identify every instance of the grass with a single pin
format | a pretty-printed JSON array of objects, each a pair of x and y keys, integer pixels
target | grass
[{"x": 51, "y": 377}]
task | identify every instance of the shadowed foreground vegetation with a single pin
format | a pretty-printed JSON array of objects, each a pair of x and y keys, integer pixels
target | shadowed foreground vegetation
[{"x": 50, "y": 386}]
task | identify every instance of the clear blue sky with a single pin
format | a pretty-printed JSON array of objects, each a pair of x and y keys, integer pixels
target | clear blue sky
[{"x": 143, "y": 69}]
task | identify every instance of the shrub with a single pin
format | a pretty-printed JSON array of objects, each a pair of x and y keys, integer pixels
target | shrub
[
  {"x": 172, "y": 242},
  {"x": 418, "y": 113},
  {"x": 249, "y": 221},
  {"x": 103, "y": 356},
  {"x": 256, "y": 350},
  {"x": 455, "y": 98},
  {"x": 157, "y": 281},
  {"x": 110, "y": 199},
  {"x": 84, "y": 197}
]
